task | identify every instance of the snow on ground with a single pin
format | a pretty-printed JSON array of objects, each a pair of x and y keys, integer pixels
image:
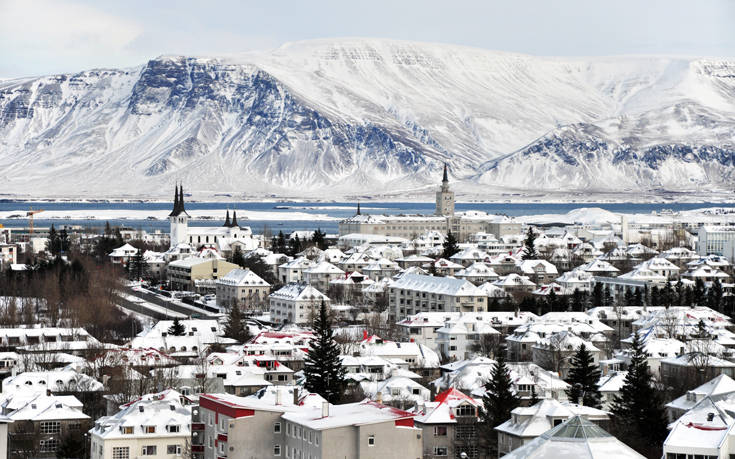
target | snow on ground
[{"x": 596, "y": 215}]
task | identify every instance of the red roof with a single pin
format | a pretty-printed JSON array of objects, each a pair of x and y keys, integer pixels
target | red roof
[{"x": 453, "y": 394}]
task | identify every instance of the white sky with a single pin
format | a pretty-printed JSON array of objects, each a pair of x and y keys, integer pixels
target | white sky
[{"x": 54, "y": 36}]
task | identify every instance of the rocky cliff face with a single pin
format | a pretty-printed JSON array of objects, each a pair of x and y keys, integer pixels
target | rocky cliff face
[{"x": 368, "y": 116}]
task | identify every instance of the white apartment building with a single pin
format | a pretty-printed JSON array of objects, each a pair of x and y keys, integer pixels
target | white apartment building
[
  {"x": 155, "y": 425},
  {"x": 241, "y": 287},
  {"x": 414, "y": 293},
  {"x": 296, "y": 303}
]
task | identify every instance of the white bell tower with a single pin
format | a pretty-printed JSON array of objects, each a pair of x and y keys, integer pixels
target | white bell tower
[{"x": 179, "y": 219}]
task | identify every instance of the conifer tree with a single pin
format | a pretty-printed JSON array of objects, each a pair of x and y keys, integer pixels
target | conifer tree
[
  {"x": 64, "y": 243},
  {"x": 529, "y": 246},
  {"x": 236, "y": 327},
  {"x": 318, "y": 239},
  {"x": 450, "y": 245},
  {"x": 52, "y": 245},
  {"x": 583, "y": 378},
  {"x": 714, "y": 295},
  {"x": 323, "y": 368},
  {"x": 598, "y": 295},
  {"x": 638, "y": 412},
  {"x": 498, "y": 401},
  {"x": 237, "y": 257},
  {"x": 177, "y": 328},
  {"x": 138, "y": 267}
]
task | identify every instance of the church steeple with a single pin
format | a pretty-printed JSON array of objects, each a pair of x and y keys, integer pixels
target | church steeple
[
  {"x": 175, "y": 210},
  {"x": 358, "y": 208},
  {"x": 181, "y": 198},
  {"x": 445, "y": 179},
  {"x": 233, "y": 223},
  {"x": 178, "y": 202},
  {"x": 227, "y": 219}
]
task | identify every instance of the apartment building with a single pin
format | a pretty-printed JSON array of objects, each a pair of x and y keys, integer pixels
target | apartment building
[
  {"x": 155, "y": 425},
  {"x": 414, "y": 293}
]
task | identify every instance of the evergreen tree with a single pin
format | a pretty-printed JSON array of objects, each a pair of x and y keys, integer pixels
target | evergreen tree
[
  {"x": 598, "y": 295},
  {"x": 71, "y": 446},
  {"x": 323, "y": 368},
  {"x": 237, "y": 257},
  {"x": 714, "y": 295},
  {"x": 236, "y": 327},
  {"x": 52, "y": 245},
  {"x": 64, "y": 243},
  {"x": 583, "y": 378},
  {"x": 551, "y": 300},
  {"x": 138, "y": 266},
  {"x": 699, "y": 292},
  {"x": 280, "y": 245},
  {"x": 318, "y": 239},
  {"x": 607, "y": 299},
  {"x": 498, "y": 401},
  {"x": 177, "y": 328},
  {"x": 295, "y": 246},
  {"x": 638, "y": 412},
  {"x": 450, "y": 245},
  {"x": 578, "y": 300},
  {"x": 529, "y": 246}
]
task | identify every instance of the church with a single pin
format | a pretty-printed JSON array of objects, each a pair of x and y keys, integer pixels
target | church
[
  {"x": 224, "y": 239},
  {"x": 462, "y": 224}
]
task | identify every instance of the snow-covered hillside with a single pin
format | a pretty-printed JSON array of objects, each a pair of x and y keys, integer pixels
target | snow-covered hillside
[{"x": 329, "y": 117}]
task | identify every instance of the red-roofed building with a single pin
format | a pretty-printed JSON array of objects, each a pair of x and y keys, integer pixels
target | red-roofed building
[
  {"x": 449, "y": 424},
  {"x": 276, "y": 423}
]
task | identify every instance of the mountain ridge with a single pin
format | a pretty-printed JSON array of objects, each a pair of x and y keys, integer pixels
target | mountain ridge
[{"x": 367, "y": 115}]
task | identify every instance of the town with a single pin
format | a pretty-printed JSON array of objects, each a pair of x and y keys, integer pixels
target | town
[{"x": 457, "y": 334}]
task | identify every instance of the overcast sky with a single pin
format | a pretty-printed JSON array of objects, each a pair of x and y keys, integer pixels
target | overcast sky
[{"x": 54, "y": 36}]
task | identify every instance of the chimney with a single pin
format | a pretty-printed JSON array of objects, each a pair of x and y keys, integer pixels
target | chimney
[
  {"x": 295, "y": 395},
  {"x": 325, "y": 409},
  {"x": 278, "y": 396},
  {"x": 379, "y": 397}
]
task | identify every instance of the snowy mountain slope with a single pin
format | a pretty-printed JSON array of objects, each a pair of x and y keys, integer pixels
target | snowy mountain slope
[{"x": 366, "y": 116}]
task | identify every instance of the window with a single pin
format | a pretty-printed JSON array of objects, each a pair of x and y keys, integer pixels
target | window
[
  {"x": 440, "y": 431},
  {"x": 149, "y": 429},
  {"x": 288, "y": 429},
  {"x": 371, "y": 440},
  {"x": 465, "y": 410},
  {"x": 148, "y": 450},
  {"x": 440, "y": 451},
  {"x": 276, "y": 450},
  {"x": 50, "y": 427},
  {"x": 277, "y": 427},
  {"x": 49, "y": 446},
  {"x": 173, "y": 428},
  {"x": 127, "y": 430},
  {"x": 173, "y": 449},
  {"x": 121, "y": 452},
  {"x": 75, "y": 426}
]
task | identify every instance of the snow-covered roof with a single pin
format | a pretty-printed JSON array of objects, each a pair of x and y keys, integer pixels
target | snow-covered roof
[
  {"x": 168, "y": 412},
  {"x": 532, "y": 421},
  {"x": 298, "y": 292},
  {"x": 437, "y": 285},
  {"x": 242, "y": 278},
  {"x": 361, "y": 413}
]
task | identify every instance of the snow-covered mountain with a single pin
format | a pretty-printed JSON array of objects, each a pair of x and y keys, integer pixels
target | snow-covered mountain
[{"x": 332, "y": 117}]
